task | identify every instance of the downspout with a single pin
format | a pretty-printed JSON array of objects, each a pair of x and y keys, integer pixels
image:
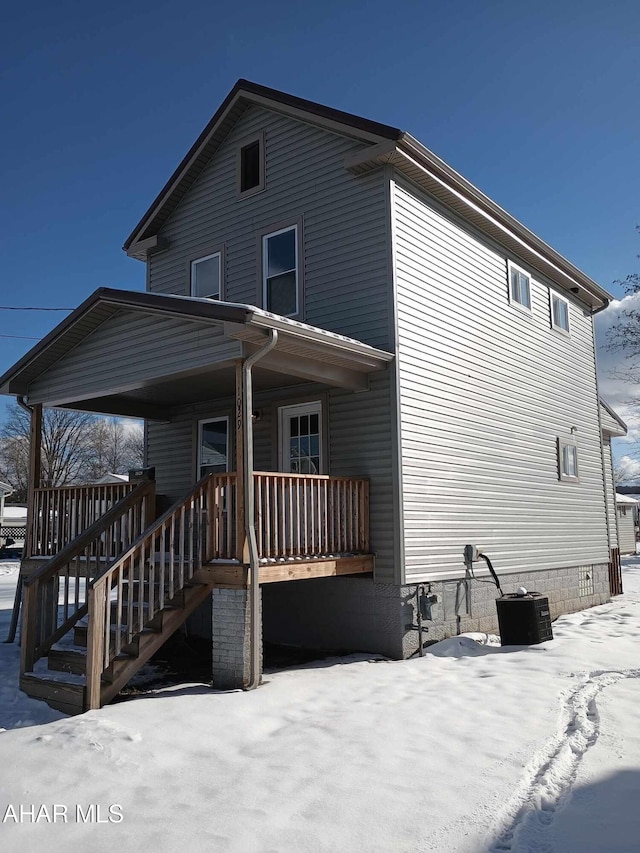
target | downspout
[{"x": 249, "y": 510}]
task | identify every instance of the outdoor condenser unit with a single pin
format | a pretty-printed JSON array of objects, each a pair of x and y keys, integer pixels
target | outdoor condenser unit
[{"x": 524, "y": 619}]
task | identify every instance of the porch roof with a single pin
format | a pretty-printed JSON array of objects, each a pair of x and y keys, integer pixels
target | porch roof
[{"x": 136, "y": 354}]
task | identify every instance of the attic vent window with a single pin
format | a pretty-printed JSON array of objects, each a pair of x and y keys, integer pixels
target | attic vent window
[{"x": 250, "y": 163}]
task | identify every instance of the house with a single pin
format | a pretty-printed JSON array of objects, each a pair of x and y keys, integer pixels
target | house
[
  {"x": 351, "y": 364},
  {"x": 627, "y": 512}
]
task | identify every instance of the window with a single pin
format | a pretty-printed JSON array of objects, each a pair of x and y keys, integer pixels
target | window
[
  {"x": 301, "y": 438},
  {"x": 250, "y": 166},
  {"x": 559, "y": 312},
  {"x": 280, "y": 272},
  {"x": 213, "y": 446},
  {"x": 567, "y": 460},
  {"x": 206, "y": 276},
  {"x": 519, "y": 287}
]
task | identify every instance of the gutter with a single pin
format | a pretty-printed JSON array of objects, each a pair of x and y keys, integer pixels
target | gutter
[{"x": 249, "y": 510}]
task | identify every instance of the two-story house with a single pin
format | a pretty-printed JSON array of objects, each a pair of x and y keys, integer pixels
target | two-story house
[{"x": 351, "y": 363}]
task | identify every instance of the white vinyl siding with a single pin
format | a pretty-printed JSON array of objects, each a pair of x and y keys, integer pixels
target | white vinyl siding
[{"x": 485, "y": 391}]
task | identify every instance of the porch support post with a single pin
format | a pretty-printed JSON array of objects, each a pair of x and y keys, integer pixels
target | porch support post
[
  {"x": 240, "y": 449},
  {"x": 250, "y": 511}
]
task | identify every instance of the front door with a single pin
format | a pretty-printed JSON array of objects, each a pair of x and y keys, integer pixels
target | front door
[{"x": 301, "y": 438}]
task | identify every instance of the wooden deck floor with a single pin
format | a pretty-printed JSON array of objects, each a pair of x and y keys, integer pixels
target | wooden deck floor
[{"x": 233, "y": 575}]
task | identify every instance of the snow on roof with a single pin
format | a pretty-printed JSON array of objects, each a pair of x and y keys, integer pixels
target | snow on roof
[{"x": 626, "y": 499}]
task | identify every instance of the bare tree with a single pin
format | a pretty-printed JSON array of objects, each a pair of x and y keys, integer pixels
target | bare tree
[
  {"x": 76, "y": 447},
  {"x": 624, "y": 337},
  {"x": 114, "y": 447}
]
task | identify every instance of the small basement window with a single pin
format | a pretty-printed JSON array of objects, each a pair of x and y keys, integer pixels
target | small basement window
[
  {"x": 519, "y": 287},
  {"x": 567, "y": 460},
  {"x": 250, "y": 166},
  {"x": 206, "y": 276},
  {"x": 559, "y": 313}
]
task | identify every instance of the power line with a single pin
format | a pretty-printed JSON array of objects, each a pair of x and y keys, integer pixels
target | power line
[
  {"x": 21, "y": 308},
  {"x": 22, "y": 337}
]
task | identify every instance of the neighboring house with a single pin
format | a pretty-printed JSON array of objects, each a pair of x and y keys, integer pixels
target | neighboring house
[
  {"x": 365, "y": 363},
  {"x": 627, "y": 510},
  {"x": 5, "y": 490},
  {"x": 111, "y": 478}
]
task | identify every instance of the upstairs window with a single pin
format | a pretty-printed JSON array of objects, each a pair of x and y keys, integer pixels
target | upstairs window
[
  {"x": 567, "y": 460},
  {"x": 559, "y": 313},
  {"x": 280, "y": 272},
  {"x": 519, "y": 287},
  {"x": 250, "y": 166},
  {"x": 206, "y": 276}
]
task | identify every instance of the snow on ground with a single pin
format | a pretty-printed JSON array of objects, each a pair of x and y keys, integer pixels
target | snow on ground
[{"x": 472, "y": 749}]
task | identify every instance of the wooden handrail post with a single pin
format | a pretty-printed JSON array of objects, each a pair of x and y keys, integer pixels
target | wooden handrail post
[
  {"x": 95, "y": 644},
  {"x": 29, "y": 628}
]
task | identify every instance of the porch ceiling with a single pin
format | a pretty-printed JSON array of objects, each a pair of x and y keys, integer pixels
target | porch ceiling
[{"x": 142, "y": 354}]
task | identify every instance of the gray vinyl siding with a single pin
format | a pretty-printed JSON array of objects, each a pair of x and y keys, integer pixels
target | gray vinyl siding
[
  {"x": 345, "y": 245},
  {"x": 359, "y": 440},
  {"x": 128, "y": 349},
  {"x": 485, "y": 391},
  {"x": 611, "y": 491}
]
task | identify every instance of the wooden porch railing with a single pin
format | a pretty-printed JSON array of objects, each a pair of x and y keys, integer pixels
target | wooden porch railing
[
  {"x": 59, "y": 514},
  {"x": 311, "y": 515},
  {"x": 143, "y": 580},
  {"x": 55, "y": 596}
]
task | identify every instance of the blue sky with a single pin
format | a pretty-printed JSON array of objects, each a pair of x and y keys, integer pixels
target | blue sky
[{"x": 535, "y": 103}]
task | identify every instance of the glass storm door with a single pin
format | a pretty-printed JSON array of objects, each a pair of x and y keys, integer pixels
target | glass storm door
[{"x": 301, "y": 439}]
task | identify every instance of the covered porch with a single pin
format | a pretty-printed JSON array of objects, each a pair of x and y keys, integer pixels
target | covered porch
[{"x": 120, "y": 555}]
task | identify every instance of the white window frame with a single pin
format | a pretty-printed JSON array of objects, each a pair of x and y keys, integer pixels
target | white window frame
[
  {"x": 553, "y": 295},
  {"x": 199, "y": 260},
  {"x": 201, "y": 423},
  {"x": 241, "y": 145},
  {"x": 285, "y": 413},
  {"x": 511, "y": 268},
  {"x": 265, "y": 277},
  {"x": 562, "y": 473}
]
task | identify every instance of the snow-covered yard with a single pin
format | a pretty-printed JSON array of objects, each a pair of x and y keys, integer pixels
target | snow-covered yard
[{"x": 472, "y": 748}]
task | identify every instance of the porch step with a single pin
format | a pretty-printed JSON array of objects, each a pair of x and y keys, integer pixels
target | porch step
[
  {"x": 65, "y": 696},
  {"x": 62, "y": 684}
]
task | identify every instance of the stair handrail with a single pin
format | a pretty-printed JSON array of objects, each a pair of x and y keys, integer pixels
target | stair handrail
[
  {"x": 30, "y": 648},
  {"x": 99, "y": 653}
]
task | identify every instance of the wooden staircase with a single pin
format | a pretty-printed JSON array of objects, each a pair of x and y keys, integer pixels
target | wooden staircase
[{"x": 92, "y": 619}]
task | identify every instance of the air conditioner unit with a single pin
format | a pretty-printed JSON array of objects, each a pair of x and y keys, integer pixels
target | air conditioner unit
[{"x": 524, "y": 620}]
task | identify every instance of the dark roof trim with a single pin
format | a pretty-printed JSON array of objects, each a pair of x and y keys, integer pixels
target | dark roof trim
[{"x": 173, "y": 190}]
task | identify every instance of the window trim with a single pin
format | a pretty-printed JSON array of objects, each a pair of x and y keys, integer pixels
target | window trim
[
  {"x": 311, "y": 407},
  {"x": 200, "y": 424},
  {"x": 562, "y": 443},
  {"x": 263, "y": 236},
  {"x": 262, "y": 184},
  {"x": 555, "y": 295},
  {"x": 511, "y": 267},
  {"x": 204, "y": 255}
]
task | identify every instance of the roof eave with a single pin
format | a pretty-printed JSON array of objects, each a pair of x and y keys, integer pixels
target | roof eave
[{"x": 254, "y": 93}]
